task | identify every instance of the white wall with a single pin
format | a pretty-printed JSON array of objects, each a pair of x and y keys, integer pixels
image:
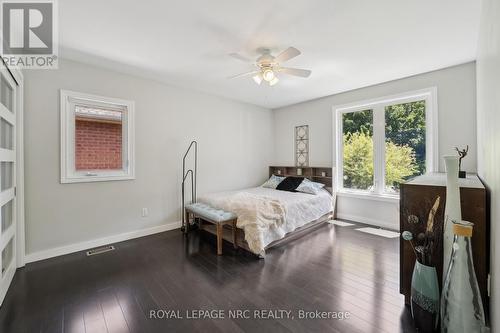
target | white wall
[
  {"x": 488, "y": 129},
  {"x": 234, "y": 151},
  {"x": 457, "y": 127}
]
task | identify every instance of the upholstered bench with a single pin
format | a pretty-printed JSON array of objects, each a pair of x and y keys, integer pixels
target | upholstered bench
[{"x": 218, "y": 217}]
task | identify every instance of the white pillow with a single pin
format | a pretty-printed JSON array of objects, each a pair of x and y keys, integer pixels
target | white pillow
[
  {"x": 310, "y": 187},
  {"x": 273, "y": 182}
]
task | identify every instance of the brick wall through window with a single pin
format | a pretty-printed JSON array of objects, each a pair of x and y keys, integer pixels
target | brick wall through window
[{"x": 98, "y": 144}]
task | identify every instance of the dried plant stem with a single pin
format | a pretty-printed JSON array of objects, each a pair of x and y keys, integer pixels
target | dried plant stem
[
  {"x": 413, "y": 248},
  {"x": 432, "y": 214},
  {"x": 426, "y": 242}
]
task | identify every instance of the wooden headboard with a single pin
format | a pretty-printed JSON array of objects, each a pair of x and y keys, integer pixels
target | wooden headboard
[{"x": 319, "y": 175}]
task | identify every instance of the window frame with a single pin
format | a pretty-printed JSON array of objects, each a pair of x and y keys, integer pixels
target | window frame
[
  {"x": 377, "y": 105},
  {"x": 69, "y": 174}
]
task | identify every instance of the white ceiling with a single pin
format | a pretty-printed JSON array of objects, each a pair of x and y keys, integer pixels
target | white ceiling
[{"x": 347, "y": 44}]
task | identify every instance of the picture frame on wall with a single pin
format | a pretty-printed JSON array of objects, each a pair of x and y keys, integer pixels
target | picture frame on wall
[{"x": 302, "y": 146}]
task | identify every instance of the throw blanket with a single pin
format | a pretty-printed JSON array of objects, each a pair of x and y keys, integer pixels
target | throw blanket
[{"x": 256, "y": 215}]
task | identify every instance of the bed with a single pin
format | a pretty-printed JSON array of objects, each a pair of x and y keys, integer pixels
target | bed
[{"x": 303, "y": 213}]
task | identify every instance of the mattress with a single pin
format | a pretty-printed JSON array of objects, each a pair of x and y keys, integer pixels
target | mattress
[{"x": 300, "y": 208}]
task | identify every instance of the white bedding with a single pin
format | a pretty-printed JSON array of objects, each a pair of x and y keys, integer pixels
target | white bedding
[{"x": 300, "y": 208}]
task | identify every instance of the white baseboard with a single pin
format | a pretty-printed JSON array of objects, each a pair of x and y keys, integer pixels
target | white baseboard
[
  {"x": 367, "y": 220},
  {"x": 67, "y": 249}
]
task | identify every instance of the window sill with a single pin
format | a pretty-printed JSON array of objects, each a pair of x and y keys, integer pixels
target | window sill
[
  {"x": 368, "y": 196},
  {"x": 72, "y": 180}
]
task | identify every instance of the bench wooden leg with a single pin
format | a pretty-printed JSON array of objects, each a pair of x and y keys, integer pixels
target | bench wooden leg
[
  {"x": 234, "y": 235},
  {"x": 219, "y": 239}
]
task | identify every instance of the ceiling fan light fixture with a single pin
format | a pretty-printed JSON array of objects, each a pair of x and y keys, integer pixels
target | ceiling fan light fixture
[
  {"x": 258, "y": 78},
  {"x": 268, "y": 75},
  {"x": 267, "y": 67},
  {"x": 273, "y": 81}
]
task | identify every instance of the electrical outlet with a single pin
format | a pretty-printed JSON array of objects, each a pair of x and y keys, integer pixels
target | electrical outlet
[{"x": 145, "y": 212}]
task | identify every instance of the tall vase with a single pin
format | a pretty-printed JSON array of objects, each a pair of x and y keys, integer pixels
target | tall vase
[
  {"x": 452, "y": 211},
  {"x": 425, "y": 297}
]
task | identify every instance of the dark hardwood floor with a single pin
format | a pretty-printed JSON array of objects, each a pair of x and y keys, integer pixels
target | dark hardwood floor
[{"x": 332, "y": 269}]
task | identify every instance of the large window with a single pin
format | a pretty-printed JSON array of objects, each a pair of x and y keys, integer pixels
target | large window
[
  {"x": 97, "y": 138},
  {"x": 384, "y": 142}
]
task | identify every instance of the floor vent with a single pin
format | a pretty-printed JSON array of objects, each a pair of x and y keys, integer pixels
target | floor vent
[{"x": 100, "y": 250}]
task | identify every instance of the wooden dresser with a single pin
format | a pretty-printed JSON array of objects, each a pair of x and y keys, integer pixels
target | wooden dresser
[{"x": 417, "y": 197}]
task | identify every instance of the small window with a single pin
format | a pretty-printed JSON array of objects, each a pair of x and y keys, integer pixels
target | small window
[{"x": 97, "y": 138}]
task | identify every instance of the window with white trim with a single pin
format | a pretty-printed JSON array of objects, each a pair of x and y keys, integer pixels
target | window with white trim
[
  {"x": 97, "y": 138},
  {"x": 383, "y": 142}
]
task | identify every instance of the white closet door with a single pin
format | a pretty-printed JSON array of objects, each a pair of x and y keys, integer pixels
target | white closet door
[{"x": 8, "y": 91}]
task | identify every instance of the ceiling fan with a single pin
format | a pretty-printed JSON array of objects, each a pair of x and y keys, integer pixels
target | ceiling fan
[{"x": 268, "y": 66}]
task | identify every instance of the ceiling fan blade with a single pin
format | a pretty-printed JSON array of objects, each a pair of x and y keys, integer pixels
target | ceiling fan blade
[
  {"x": 244, "y": 74},
  {"x": 288, "y": 54},
  {"x": 295, "y": 71},
  {"x": 240, "y": 57}
]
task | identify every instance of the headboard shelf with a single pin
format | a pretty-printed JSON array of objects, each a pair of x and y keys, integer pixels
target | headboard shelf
[{"x": 322, "y": 175}]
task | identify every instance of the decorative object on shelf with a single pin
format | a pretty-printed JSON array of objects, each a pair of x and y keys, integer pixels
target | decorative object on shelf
[
  {"x": 323, "y": 174},
  {"x": 452, "y": 210},
  {"x": 299, "y": 172},
  {"x": 461, "y": 153},
  {"x": 278, "y": 172},
  {"x": 424, "y": 283},
  {"x": 302, "y": 145},
  {"x": 461, "y": 304}
]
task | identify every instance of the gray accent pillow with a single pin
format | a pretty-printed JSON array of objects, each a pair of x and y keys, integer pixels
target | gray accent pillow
[
  {"x": 273, "y": 182},
  {"x": 310, "y": 187}
]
